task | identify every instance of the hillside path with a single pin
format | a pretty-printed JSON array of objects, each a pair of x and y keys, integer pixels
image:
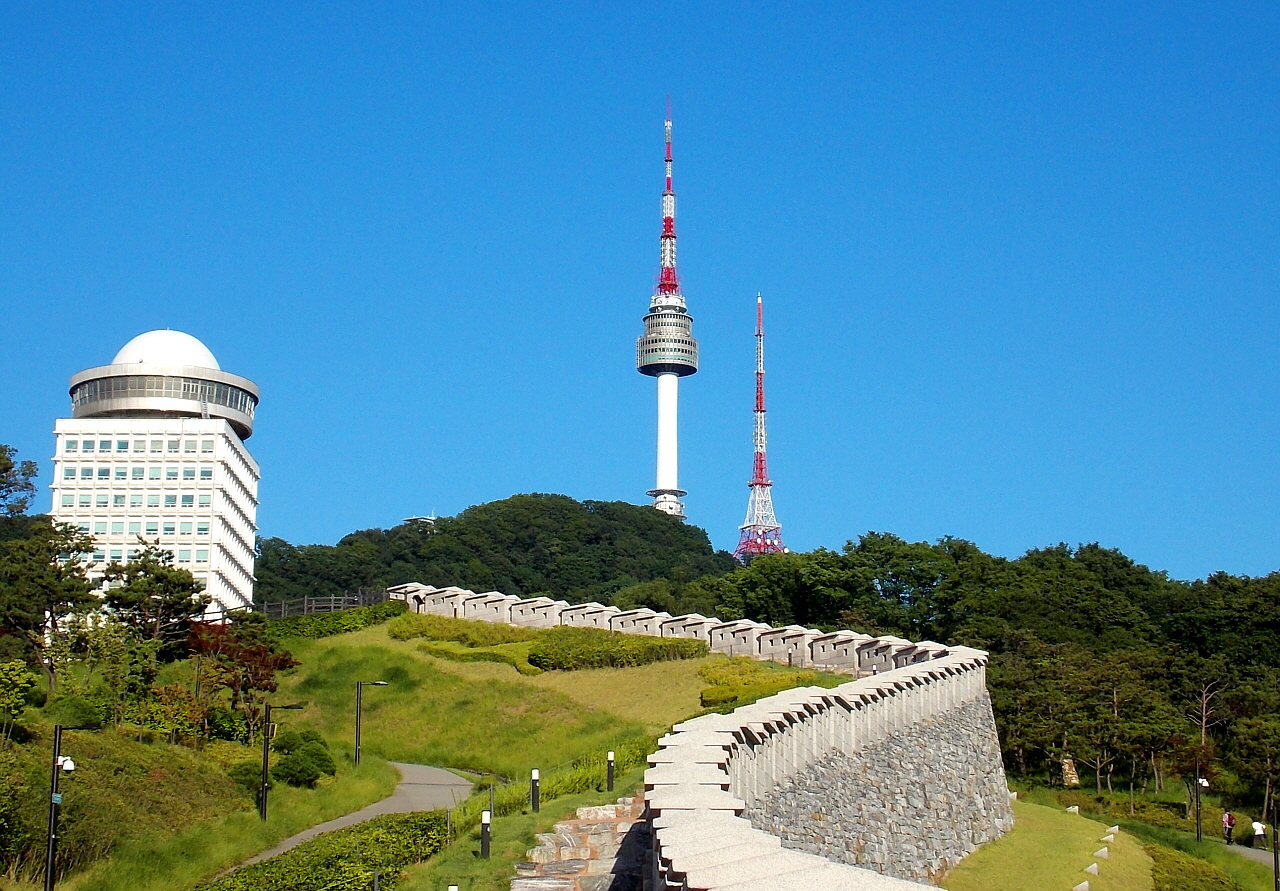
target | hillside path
[
  {"x": 421, "y": 788},
  {"x": 1256, "y": 854}
]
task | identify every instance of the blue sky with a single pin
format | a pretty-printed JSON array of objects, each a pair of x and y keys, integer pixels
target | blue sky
[{"x": 1020, "y": 261}]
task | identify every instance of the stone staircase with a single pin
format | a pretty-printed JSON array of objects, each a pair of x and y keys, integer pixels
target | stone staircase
[{"x": 601, "y": 849}]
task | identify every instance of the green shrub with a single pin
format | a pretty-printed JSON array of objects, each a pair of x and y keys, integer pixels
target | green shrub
[
  {"x": 345, "y": 860},
  {"x": 569, "y": 649},
  {"x": 296, "y": 769},
  {"x": 467, "y": 632},
  {"x": 1175, "y": 871},
  {"x": 71, "y": 711},
  {"x": 293, "y": 740},
  {"x": 340, "y": 622},
  {"x": 248, "y": 775},
  {"x": 318, "y": 754},
  {"x": 735, "y": 671},
  {"x": 516, "y": 661}
]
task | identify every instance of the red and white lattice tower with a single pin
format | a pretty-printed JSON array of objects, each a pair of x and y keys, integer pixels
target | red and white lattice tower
[{"x": 761, "y": 533}]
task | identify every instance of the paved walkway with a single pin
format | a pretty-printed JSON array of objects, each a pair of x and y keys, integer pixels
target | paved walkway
[
  {"x": 420, "y": 789},
  {"x": 1253, "y": 853}
]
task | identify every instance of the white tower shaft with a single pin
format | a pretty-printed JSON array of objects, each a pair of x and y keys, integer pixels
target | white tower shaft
[{"x": 668, "y": 441}]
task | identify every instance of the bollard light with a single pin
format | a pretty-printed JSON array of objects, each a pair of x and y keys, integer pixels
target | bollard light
[
  {"x": 609, "y": 776},
  {"x": 534, "y": 795},
  {"x": 484, "y": 835}
]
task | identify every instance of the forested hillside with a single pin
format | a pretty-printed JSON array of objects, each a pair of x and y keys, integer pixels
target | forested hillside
[{"x": 525, "y": 544}]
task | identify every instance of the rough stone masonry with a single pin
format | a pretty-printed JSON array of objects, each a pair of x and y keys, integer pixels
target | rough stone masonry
[{"x": 910, "y": 806}]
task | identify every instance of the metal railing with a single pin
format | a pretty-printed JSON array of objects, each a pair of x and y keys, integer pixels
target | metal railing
[{"x": 305, "y": 606}]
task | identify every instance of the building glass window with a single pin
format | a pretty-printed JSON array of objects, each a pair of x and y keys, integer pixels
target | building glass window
[
  {"x": 206, "y": 473},
  {"x": 71, "y": 445},
  {"x": 135, "y": 500},
  {"x": 68, "y": 473},
  {"x": 206, "y": 500},
  {"x": 100, "y": 528},
  {"x": 171, "y": 473},
  {"x": 84, "y": 500},
  {"x": 184, "y": 556},
  {"x": 68, "y": 501},
  {"x": 171, "y": 501},
  {"x": 99, "y": 556},
  {"x": 133, "y": 553},
  {"x": 153, "y": 527},
  {"x": 100, "y": 500},
  {"x": 117, "y": 528},
  {"x": 86, "y": 473},
  {"x": 188, "y": 501},
  {"x": 117, "y": 501},
  {"x": 153, "y": 473},
  {"x": 104, "y": 473},
  {"x": 189, "y": 447},
  {"x": 157, "y": 445},
  {"x": 135, "y": 527},
  {"x": 122, "y": 445},
  {"x": 88, "y": 445},
  {"x": 206, "y": 446},
  {"x": 104, "y": 445},
  {"x": 82, "y": 527},
  {"x": 184, "y": 528},
  {"x": 202, "y": 528},
  {"x": 173, "y": 446},
  {"x": 153, "y": 501},
  {"x": 188, "y": 473},
  {"x": 139, "y": 472},
  {"x": 202, "y": 556},
  {"x": 122, "y": 472},
  {"x": 169, "y": 527},
  {"x": 139, "y": 446}
]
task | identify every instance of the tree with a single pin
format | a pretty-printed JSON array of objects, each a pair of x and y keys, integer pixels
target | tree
[
  {"x": 15, "y": 682},
  {"x": 153, "y": 596},
  {"x": 239, "y": 657},
  {"x": 42, "y": 580},
  {"x": 17, "y": 488}
]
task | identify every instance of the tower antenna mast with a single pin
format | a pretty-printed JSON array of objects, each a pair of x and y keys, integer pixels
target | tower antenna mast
[
  {"x": 667, "y": 349},
  {"x": 761, "y": 533}
]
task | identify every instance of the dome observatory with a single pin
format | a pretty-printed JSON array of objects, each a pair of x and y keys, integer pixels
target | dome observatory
[{"x": 155, "y": 451}]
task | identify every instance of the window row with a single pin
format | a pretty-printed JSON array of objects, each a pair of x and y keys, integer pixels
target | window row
[
  {"x": 151, "y": 527},
  {"x": 135, "y": 472},
  {"x": 136, "y": 386},
  {"x": 119, "y": 554},
  {"x": 85, "y": 446},
  {"x": 103, "y": 499}
]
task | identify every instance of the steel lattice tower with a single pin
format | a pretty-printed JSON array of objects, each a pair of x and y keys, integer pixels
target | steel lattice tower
[
  {"x": 761, "y": 533},
  {"x": 667, "y": 351}
]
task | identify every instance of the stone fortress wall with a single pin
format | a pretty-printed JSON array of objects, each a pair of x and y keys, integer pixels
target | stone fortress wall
[{"x": 881, "y": 783}]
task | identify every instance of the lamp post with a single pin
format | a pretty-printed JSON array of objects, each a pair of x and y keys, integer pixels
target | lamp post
[
  {"x": 360, "y": 685},
  {"x": 55, "y": 798},
  {"x": 266, "y": 755}
]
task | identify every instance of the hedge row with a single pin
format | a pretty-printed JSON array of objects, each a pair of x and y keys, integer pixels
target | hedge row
[
  {"x": 345, "y": 860},
  {"x": 1175, "y": 871},
  {"x": 340, "y": 622},
  {"x": 516, "y": 661},
  {"x": 468, "y": 632},
  {"x": 569, "y": 649}
]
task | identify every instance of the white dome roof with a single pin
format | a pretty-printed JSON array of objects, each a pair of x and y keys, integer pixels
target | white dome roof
[{"x": 166, "y": 348}]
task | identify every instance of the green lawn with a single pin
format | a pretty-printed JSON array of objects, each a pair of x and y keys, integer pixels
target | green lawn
[{"x": 1048, "y": 850}]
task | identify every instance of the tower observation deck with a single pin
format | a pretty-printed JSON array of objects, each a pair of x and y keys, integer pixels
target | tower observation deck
[{"x": 667, "y": 351}]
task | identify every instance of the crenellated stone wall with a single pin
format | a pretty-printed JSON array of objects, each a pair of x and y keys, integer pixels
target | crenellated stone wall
[{"x": 880, "y": 784}]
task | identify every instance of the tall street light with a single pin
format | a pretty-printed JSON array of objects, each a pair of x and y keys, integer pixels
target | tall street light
[
  {"x": 360, "y": 685},
  {"x": 55, "y": 798},
  {"x": 266, "y": 755}
]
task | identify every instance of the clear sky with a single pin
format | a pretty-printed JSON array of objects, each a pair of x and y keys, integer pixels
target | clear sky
[{"x": 1020, "y": 261}]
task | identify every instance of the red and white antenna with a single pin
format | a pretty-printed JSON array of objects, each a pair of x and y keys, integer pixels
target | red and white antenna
[
  {"x": 668, "y": 278},
  {"x": 761, "y": 533}
]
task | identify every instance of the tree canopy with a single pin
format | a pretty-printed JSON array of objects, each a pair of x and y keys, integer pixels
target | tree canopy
[{"x": 525, "y": 544}]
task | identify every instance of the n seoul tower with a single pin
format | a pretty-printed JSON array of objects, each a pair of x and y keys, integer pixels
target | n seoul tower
[{"x": 668, "y": 352}]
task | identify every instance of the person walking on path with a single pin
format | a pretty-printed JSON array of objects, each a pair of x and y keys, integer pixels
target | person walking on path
[
  {"x": 1259, "y": 835},
  {"x": 1228, "y": 824}
]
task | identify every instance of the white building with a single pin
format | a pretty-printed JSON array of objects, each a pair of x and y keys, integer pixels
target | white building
[{"x": 155, "y": 450}]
